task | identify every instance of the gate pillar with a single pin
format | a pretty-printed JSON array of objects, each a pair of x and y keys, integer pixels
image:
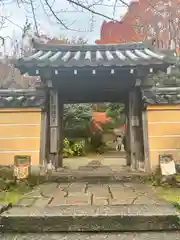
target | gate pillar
[
  {"x": 44, "y": 150},
  {"x": 44, "y": 129},
  {"x": 135, "y": 129},
  {"x": 127, "y": 136},
  {"x": 56, "y": 128}
]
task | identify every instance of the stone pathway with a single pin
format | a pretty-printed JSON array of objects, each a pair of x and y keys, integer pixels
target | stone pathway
[
  {"x": 112, "y": 160},
  {"x": 94, "y": 236},
  {"x": 55, "y": 194},
  {"x": 84, "y": 207}
]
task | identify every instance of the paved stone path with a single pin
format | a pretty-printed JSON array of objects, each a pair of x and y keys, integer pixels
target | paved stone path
[
  {"x": 94, "y": 236},
  {"x": 114, "y": 160},
  {"x": 55, "y": 194}
]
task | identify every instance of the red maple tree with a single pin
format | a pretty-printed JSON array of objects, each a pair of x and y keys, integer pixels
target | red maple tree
[{"x": 145, "y": 19}]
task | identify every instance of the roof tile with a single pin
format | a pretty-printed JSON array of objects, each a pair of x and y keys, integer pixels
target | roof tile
[{"x": 131, "y": 54}]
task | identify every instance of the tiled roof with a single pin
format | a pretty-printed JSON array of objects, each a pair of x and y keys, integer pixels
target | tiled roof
[
  {"x": 162, "y": 95},
  {"x": 122, "y": 55},
  {"x": 13, "y": 99}
]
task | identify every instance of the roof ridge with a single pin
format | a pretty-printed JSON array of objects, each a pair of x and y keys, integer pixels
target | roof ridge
[{"x": 39, "y": 45}]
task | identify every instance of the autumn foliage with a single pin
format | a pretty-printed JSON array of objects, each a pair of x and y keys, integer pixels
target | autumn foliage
[{"x": 145, "y": 19}]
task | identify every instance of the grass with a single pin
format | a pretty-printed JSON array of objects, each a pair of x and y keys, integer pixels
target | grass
[
  {"x": 13, "y": 194},
  {"x": 171, "y": 195},
  {"x": 178, "y": 177},
  {"x": 10, "y": 197}
]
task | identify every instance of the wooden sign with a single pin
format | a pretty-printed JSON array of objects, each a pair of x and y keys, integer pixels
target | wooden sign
[
  {"x": 135, "y": 121},
  {"x": 53, "y": 121},
  {"x": 22, "y": 166},
  {"x": 167, "y": 164}
]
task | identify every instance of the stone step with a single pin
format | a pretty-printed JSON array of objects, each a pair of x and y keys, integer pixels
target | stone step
[
  {"x": 122, "y": 218},
  {"x": 5, "y": 207},
  {"x": 94, "y": 236},
  {"x": 93, "y": 177}
]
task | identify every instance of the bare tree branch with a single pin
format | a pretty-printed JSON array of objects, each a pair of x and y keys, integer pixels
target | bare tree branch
[
  {"x": 59, "y": 20},
  {"x": 123, "y": 2},
  {"x": 3, "y": 40},
  {"x": 12, "y": 22},
  {"x": 34, "y": 17},
  {"x": 156, "y": 20},
  {"x": 90, "y": 10},
  {"x": 114, "y": 7},
  {"x": 56, "y": 17}
]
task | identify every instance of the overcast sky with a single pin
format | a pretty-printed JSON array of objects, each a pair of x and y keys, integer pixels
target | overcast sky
[{"x": 48, "y": 25}]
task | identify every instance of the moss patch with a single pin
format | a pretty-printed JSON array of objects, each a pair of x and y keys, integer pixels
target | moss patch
[
  {"x": 13, "y": 194},
  {"x": 169, "y": 194},
  {"x": 10, "y": 196},
  {"x": 178, "y": 177}
]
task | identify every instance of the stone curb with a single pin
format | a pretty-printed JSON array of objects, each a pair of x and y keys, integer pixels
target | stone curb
[
  {"x": 5, "y": 207},
  {"x": 124, "y": 218},
  {"x": 175, "y": 235},
  {"x": 90, "y": 178}
]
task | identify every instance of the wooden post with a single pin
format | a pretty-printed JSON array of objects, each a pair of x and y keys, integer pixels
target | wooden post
[
  {"x": 136, "y": 130},
  {"x": 43, "y": 138},
  {"x": 131, "y": 130},
  {"x": 56, "y": 118},
  {"x": 61, "y": 133},
  {"x": 146, "y": 140},
  {"x": 127, "y": 136},
  {"x": 44, "y": 130}
]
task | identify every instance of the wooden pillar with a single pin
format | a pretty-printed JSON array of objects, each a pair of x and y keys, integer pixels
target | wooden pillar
[
  {"x": 127, "y": 136},
  {"x": 56, "y": 125},
  {"x": 131, "y": 130},
  {"x": 44, "y": 130},
  {"x": 136, "y": 131},
  {"x": 61, "y": 133},
  {"x": 43, "y": 138},
  {"x": 146, "y": 140}
]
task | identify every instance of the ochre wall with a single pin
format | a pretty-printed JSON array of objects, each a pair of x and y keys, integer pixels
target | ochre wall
[
  {"x": 163, "y": 132},
  {"x": 19, "y": 134}
]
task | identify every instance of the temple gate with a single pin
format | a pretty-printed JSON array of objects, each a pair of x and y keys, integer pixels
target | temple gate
[{"x": 96, "y": 73}]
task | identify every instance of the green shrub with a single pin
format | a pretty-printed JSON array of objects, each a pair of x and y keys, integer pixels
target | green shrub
[
  {"x": 73, "y": 147},
  {"x": 67, "y": 151},
  {"x": 78, "y": 148}
]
